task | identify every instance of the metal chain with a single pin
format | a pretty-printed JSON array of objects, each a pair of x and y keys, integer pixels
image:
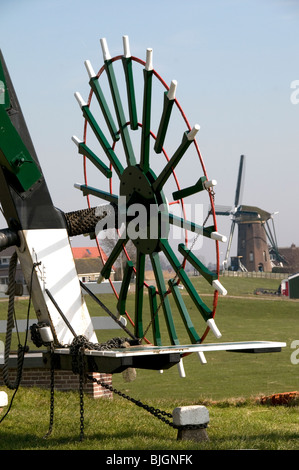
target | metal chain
[
  {"x": 81, "y": 393},
  {"x": 77, "y": 347},
  {"x": 160, "y": 414},
  {"x": 51, "y": 396},
  {"x": 78, "y": 366}
]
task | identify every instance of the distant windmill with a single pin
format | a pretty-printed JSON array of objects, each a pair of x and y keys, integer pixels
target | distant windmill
[{"x": 253, "y": 252}]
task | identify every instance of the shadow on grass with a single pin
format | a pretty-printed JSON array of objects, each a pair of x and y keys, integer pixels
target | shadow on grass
[
  {"x": 148, "y": 440},
  {"x": 124, "y": 440},
  {"x": 266, "y": 441}
]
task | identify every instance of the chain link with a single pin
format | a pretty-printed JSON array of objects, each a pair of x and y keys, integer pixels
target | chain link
[
  {"x": 160, "y": 414},
  {"x": 81, "y": 392},
  {"x": 52, "y": 372},
  {"x": 78, "y": 366},
  {"x": 79, "y": 344}
]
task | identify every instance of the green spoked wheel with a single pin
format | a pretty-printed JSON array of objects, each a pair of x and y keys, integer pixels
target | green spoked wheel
[{"x": 151, "y": 206}]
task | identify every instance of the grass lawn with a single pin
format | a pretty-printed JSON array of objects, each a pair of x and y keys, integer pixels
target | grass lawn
[
  {"x": 119, "y": 425},
  {"x": 228, "y": 384}
]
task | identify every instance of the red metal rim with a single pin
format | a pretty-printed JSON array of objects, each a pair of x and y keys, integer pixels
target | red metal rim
[{"x": 141, "y": 62}]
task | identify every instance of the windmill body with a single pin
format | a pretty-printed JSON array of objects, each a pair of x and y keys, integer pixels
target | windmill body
[
  {"x": 253, "y": 250},
  {"x": 253, "y": 232}
]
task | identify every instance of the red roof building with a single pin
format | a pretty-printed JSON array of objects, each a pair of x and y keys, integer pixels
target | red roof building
[{"x": 88, "y": 252}]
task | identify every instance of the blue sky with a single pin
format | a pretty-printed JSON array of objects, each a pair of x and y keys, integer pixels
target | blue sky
[{"x": 234, "y": 61}]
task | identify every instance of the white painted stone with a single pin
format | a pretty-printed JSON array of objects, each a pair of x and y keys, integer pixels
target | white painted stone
[
  {"x": 194, "y": 414},
  {"x": 3, "y": 399}
]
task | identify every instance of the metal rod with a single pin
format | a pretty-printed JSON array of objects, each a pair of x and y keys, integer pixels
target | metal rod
[
  {"x": 61, "y": 313},
  {"x": 8, "y": 238},
  {"x": 94, "y": 297}
]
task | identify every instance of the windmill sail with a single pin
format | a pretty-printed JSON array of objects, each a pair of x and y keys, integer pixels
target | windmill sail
[
  {"x": 245, "y": 216},
  {"x": 240, "y": 181}
]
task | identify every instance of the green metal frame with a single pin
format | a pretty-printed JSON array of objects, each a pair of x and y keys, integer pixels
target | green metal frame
[{"x": 14, "y": 156}]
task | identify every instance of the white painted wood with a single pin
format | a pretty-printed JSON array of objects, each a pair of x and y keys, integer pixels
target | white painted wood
[
  {"x": 99, "y": 323},
  {"x": 181, "y": 369},
  {"x": 212, "y": 325},
  {"x": 89, "y": 68},
  {"x": 149, "y": 60},
  {"x": 202, "y": 357},
  {"x": 172, "y": 90},
  {"x": 181, "y": 349},
  {"x": 105, "y": 49},
  {"x": 57, "y": 273},
  {"x": 126, "y": 44}
]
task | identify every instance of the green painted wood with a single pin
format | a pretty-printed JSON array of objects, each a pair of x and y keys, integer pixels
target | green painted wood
[
  {"x": 4, "y": 92},
  {"x": 121, "y": 304},
  {"x": 172, "y": 163},
  {"x": 89, "y": 190},
  {"x": 164, "y": 298},
  {"x": 197, "y": 264},
  {"x": 14, "y": 155},
  {"x": 83, "y": 149},
  {"x": 177, "y": 267},
  {"x": 106, "y": 270},
  {"x": 152, "y": 293},
  {"x": 164, "y": 122},
  {"x": 128, "y": 70},
  {"x": 196, "y": 188},
  {"x": 191, "y": 226},
  {"x": 194, "y": 338},
  {"x": 139, "y": 293},
  {"x": 95, "y": 86},
  {"x": 122, "y": 123},
  {"x": 146, "y": 120},
  {"x": 102, "y": 140}
]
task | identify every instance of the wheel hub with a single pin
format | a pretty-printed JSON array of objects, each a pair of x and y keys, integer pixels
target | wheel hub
[{"x": 143, "y": 209}]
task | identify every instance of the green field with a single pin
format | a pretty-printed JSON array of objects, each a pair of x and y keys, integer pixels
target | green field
[
  {"x": 229, "y": 384},
  {"x": 240, "y": 316}
]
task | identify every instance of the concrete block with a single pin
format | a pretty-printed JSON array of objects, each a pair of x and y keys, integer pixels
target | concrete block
[
  {"x": 3, "y": 399},
  {"x": 196, "y": 435},
  {"x": 194, "y": 415}
]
